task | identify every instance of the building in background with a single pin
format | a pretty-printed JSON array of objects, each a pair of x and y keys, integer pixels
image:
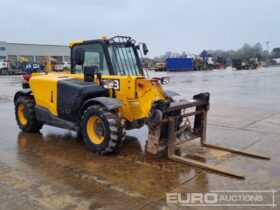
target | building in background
[
  {"x": 33, "y": 52},
  {"x": 3, "y": 53}
]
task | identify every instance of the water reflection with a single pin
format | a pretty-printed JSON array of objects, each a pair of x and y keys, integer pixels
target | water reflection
[{"x": 64, "y": 158}]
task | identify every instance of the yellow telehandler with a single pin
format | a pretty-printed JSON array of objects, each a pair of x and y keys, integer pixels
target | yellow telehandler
[{"x": 107, "y": 93}]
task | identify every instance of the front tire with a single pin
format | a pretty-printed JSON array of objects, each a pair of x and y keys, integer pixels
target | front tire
[
  {"x": 102, "y": 130},
  {"x": 25, "y": 114}
]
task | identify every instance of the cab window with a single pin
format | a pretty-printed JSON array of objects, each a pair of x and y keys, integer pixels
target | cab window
[{"x": 94, "y": 56}]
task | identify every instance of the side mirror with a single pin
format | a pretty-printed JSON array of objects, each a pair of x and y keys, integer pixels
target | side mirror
[
  {"x": 89, "y": 72},
  {"x": 80, "y": 56},
  {"x": 145, "y": 49}
]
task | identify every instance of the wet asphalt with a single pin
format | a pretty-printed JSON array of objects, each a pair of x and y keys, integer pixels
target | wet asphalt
[{"x": 54, "y": 170}]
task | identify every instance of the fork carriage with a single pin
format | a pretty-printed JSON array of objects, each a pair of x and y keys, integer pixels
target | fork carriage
[{"x": 201, "y": 104}]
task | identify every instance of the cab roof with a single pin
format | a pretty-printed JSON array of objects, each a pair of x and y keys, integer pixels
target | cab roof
[{"x": 103, "y": 38}]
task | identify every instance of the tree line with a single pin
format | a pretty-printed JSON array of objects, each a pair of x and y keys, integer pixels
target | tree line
[{"x": 245, "y": 52}]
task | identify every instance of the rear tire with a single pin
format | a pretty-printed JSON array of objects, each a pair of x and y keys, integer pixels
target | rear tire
[
  {"x": 25, "y": 114},
  {"x": 102, "y": 130}
]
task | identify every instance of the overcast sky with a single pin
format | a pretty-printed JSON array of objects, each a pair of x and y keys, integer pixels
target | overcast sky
[{"x": 165, "y": 25}]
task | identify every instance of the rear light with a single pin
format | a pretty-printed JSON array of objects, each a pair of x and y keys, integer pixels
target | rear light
[{"x": 26, "y": 76}]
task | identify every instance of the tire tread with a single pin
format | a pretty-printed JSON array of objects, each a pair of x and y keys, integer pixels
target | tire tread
[
  {"x": 116, "y": 127},
  {"x": 32, "y": 125}
]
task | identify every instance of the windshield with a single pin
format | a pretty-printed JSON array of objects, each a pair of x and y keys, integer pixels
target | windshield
[{"x": 123, "y": 59}]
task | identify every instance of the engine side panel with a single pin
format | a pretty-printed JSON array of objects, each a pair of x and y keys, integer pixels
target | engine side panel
[
  {"x": 44, "y": 90},
  {"x": 71, "y": 95}
]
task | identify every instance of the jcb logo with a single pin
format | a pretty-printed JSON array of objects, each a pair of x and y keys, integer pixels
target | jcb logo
[{"x": 116, "y": 84}]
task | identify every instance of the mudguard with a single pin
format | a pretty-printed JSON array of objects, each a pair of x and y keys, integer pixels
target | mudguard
[
  {"x": 24, "y": 92},
  {"x": 108, "y": 103},
  {"x": 73, "y": 93}
]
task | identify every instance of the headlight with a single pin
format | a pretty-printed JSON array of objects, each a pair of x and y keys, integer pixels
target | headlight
[
  {"x": 165, "y": 80},
  {"x": 108, "y": 83}
]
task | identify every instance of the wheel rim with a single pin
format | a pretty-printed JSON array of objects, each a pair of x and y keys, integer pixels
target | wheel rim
[
  {"x": 21, "y": 115},
  {"x": 95, "y": 130}
]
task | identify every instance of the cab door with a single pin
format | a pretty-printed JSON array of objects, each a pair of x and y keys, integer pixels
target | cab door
[{"x": 94, "y": 56}]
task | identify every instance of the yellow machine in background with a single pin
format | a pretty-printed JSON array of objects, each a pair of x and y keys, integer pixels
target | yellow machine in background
[
  {"x": 160, "y": 66},
  {"x": 49, "y": 63}
]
